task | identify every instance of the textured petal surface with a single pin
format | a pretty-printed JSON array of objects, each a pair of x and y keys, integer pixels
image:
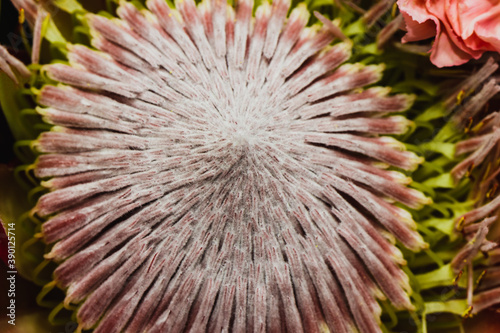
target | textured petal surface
[
  {"x": 214, "y": 171},
  {"x": 463, "y": 29}
]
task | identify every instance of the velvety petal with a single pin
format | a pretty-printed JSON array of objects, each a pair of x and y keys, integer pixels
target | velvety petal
[
  {"x": 8, "y": 62},
  {"x": 486, "y": 299},
  {"x": 416, "y": 9},
  {"x": 445, "y": 17},
  {"x": 466, "y": 16},
  {"x": 448, "y": 49},
  {"x": 445, "y": 52},
  {"x": 487, "y": 29},
  {"x": 213, "y": 168},
  {"x": 418, "y": 31},
  {"x": 420, "y": 24}
]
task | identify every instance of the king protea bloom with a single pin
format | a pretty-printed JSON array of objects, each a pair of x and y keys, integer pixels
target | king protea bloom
[
  {"x": 482, "y": 161},
  {"x": 214, "y": 170}
]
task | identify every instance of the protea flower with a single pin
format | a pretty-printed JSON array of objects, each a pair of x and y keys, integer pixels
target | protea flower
[
  {"x": 212, "y": 167},
  {"x": 482, "y": 164},
  {"x": 468, "y": 187}
]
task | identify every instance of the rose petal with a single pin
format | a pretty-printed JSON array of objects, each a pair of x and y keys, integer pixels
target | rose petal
[
  {"x": 445, "y": 53},
  {"x": 487, "y": 28}
]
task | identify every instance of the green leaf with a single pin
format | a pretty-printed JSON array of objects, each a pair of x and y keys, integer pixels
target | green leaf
[
  {"x": 13, "y": 204},
  {"x": 319, "y": 3},
  {"x": 446, "y": 226},
  {"x": 457, "y": 306},
  {"x": 442, "y": 181},
  {"x": 423, "y": 188},
  {"x": 434, "y": 112},
  {"x": 410, "y": 85},
  {"x": 445, "y": 148},
  {"x": 449, "y": 132},
  {"x": 69, "y": 6},
  {"x": 12, "y": 105},
  {"x": 355, "y": 28},
  {"x": 371, "y": 49},
  {"x": 440, "y": 277},
  {"x": 51, "y": 32}
]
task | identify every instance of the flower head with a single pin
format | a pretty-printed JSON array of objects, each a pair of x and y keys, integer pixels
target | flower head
[
  {"x": 211, "y": 169},
  {"x": 463, "y": 29}
]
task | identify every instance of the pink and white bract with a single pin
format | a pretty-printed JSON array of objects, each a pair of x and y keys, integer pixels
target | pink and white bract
[{"x": 211, "y": 170}]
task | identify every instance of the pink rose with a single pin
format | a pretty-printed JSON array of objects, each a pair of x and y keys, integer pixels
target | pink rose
[{"x": 464, "y": 29}]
